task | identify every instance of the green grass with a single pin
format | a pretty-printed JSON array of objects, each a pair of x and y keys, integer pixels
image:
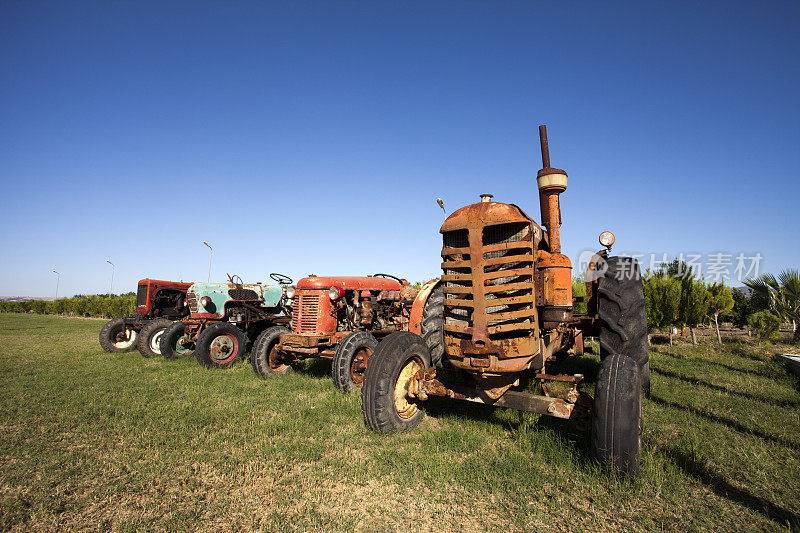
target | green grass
[{"x": 117, "y": 442}]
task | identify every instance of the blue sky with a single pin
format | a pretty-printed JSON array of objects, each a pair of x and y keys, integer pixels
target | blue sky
[{"x": 305, "y": 137}]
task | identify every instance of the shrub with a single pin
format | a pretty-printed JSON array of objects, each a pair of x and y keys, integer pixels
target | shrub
[{"x": 764, "y": 324}]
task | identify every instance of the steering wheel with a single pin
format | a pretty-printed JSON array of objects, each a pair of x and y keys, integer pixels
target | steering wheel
[
  {"x": 234, "y": 278},
  {"x": 281, "y": 279},
  {"x": 381, "y": 275}
]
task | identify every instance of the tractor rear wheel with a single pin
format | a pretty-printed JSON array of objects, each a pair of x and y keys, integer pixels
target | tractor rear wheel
[
  {"x": 350, "y": 360},
  {"x": 617, "y": 414},
  {"x": 623, "y": 321},
  {"x": 385, "y": 403},
  {"x": 173, "y": 345},
  {"x": 220, "y": 345},
  {"x": 150, "y": 337},
  {"x": 264, "y": 358},
  {"x": 433, "y": 325},
  {"x": 116, "y": 336}
]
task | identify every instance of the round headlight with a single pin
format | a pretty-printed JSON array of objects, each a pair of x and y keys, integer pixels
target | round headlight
[
  {"x": 607, "y": 238},
  {"x": 334, "y": 293},
  {"x": 205, "y": 301},
  {"x": 290, "y": 293}
]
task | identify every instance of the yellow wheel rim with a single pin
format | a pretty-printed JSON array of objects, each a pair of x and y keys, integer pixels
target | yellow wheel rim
[{"x": 405, "y": 406}]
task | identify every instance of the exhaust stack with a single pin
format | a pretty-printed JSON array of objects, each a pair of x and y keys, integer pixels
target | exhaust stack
[{"x": 551, "y": 183}]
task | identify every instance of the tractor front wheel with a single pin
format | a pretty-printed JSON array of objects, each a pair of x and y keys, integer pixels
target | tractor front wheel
[
  {"x": 350, "y": 360},
  {"x": 264, "y": 358},
  {"x": 173, "y": 344},
  {"x": 220, "y": 345},
  {"x": 617, "y": 414},
  {"x": 385, "y": 403},
  {"x": 116, "y": 336},
  {"x": 150, "y": 337}
]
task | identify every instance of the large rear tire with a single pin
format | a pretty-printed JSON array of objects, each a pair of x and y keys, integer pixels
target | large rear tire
[
  {"x": 350, "y": 360},
  {"x": 616, "y": 415},
  {"x": 173, "y": 345},
  {"x": 385, "y": 404},
  {"x": 149, "y": 341},
  {"x": 264, "y": 357},
  {"x": 220, "y": 345},
  {"x": 116, "y": 336},
  {"x": 623, "y": 319},
  {"x": 433, "y": 325}
]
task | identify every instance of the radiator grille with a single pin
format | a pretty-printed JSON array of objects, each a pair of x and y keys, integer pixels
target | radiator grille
[
  {"x": 458, "y": 312},
  {"x": 141, "y": 296},
  {"x": 243, "y": 294},
  {"x": 505, "y": 268},
  {"x": 305, "y": 313},
  {"x": 512, "y": 293},
  {"x": 191, "y": 301}
]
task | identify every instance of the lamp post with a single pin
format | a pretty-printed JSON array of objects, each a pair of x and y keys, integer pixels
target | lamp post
[
  {"x": 58, "y": 280},
  {"x": 210, "y": 253},
  {"x": 111, "y": 287},
  {"x": 441, "y": 204}
]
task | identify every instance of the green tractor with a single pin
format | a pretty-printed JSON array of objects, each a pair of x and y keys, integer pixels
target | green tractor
[{"x": 225, "y": 318}]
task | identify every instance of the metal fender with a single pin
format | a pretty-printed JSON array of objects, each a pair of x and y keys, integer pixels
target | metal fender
[{"x": 415, "y": 321}]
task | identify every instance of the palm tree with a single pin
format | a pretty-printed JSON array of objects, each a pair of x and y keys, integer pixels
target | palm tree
[{"x": 780, "y": 295}]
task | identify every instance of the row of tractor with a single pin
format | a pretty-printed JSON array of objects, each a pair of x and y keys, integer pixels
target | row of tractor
[
  {"x": 340, "y": 318},
  {"x": 491, "y": 330}
]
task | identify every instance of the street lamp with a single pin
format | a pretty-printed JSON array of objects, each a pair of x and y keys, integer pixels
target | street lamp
[
  {"x": 111, "y": 288},
  {"x": 210, "y": 253},
  {"x": 58, "y": 279},
  {"x": 441, "y": 204}
]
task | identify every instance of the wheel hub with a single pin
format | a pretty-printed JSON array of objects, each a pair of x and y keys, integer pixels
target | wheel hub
[
  {"x": 223, "y": 348},
  {"x": 406, "y": 406},
  {"x": 275, "y": 360},
  {"x": 359, "y": 365},
  {"x": 155, "y": 341},
  {"x": 124, "y": 337}
]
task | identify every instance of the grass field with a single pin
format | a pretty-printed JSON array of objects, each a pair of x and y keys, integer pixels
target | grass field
[{"x": 98, "y": 441}]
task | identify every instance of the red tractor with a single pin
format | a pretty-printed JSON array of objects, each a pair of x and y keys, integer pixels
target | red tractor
[
  {"x": 158, "y": 304},
  {"x": 503, "y": 317},
  {"x": 340, "y": 318}
]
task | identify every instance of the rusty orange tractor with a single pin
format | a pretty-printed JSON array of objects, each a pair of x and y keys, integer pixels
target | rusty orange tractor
[
  {"x": 339, "y": 318},
  {"x": 503, "y": 314}
]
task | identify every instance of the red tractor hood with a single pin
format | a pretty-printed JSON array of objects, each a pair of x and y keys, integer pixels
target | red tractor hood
[
  {"x": 347, "y": 283},
  {"x": 166, "y": 284}
]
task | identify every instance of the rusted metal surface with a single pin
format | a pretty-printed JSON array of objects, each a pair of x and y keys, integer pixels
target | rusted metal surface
[
  {"x": 415, "y": 319},
  {"x": 593, "y": 275},
  {"x": 158, "y": 298},
  {"x": 349, "y": 283},
  {"x": 488, "y": 263},
  {"x": 327, "y": 308},
  {"x": 545, "y": 147},
  {"x": 359, "y": 365}
]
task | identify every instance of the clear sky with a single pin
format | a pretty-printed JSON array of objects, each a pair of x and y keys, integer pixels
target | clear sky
[{"x": 305, "y": 137}]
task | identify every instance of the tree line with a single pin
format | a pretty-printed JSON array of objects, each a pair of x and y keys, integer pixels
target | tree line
[
  {"x": 676, "y": 298},
  {"x": 84, "y": 305}
]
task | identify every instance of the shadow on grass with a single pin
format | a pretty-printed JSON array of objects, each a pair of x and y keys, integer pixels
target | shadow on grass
[
  {"x": 724, "y": 390},
  {"x": 587, "y": 366},
  {"x": 724, "y": 421},
  {"x": 690, "y": 464},
  {"x": 738, "y": 351},
  {"x": 315, "y": 368},
  {"x": 575, "y": 438},
  {"x": 724, "y": 366}
]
